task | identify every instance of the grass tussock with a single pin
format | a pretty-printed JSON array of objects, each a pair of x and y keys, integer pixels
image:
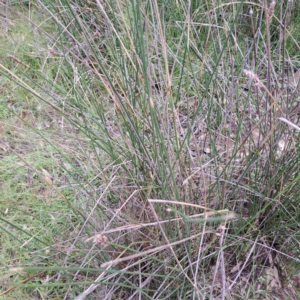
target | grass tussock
[{"x": 168, "y": 148}]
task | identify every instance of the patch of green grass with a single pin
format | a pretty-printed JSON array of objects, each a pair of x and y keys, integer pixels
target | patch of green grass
[
  {"x": 35, "y": 205},
  {"x": 33, "y": 216}
]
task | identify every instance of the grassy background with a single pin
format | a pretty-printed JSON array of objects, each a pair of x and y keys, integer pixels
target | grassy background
[{"x": 142, "y": 150}]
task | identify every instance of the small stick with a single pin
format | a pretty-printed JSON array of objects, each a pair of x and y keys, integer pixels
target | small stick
[{"x": 289, "y": 123}]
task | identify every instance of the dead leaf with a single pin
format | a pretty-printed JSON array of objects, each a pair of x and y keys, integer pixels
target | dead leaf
[
  {"x": 236, "y": 268},
  {"x": 41, "y": 143},
  {"x": 272, "y": 277},
  {"x": 47, "y": 177}
]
